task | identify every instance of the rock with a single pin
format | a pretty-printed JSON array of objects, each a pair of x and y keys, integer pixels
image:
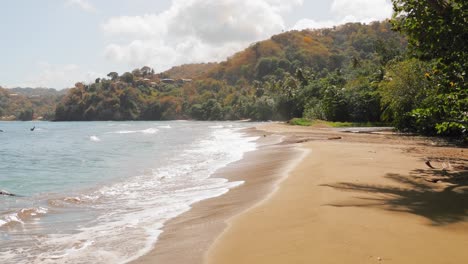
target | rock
[
  {"x": 428, "y": 163},
  {"x": 6, "y": 193}
]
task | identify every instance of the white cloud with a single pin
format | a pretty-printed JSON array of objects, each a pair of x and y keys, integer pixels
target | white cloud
[
  {"x": 282, "y": 6},
  {"x": 83, "y": 4},
  {"x": 193, "y": 31},
  {"x": 59, "y": 76},
  {"x": 146, "y": 26},
  {"x": 362, "y": 10},
  {"x": 344, "y": 11}
]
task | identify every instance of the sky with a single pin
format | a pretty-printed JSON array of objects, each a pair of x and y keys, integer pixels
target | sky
[{"x": 56, "y": 43}]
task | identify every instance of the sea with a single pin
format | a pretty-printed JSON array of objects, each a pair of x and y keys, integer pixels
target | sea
[{"x": 100, "y": 192}]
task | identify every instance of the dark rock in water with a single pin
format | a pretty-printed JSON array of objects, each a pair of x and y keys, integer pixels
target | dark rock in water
[{"x": 6, "y": 193}]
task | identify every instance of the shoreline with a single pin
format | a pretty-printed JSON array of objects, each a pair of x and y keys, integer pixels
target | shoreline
[
  {"x": 362, "y": 198},
  {"x": 187, "y": 237},
  {"x": 219, "y": 230}
]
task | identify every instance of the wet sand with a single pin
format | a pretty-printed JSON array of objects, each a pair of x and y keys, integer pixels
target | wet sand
[
  {"x": 353, "y": 198},
  {"x": 186, "y": 238}
]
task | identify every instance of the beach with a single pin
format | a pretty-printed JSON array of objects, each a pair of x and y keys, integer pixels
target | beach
[
  {"x": 100, "y": 192},
  {"x": 186, "y": 238},
  {"x": 328, "y": 196}
]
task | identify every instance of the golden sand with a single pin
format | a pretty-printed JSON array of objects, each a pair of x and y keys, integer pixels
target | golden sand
[
  {"x": 354, "y": 202},
  {"x": 353, "y": 198}
]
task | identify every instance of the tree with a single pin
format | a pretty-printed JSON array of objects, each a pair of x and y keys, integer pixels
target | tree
[
  {"x": 60, "y": 112},
  {"x": 145, "y": 70},
  {"x": 129, "y": 102},
  {"x": 113, "y": 75},
  {"x": 127, "y": 77},
  {"x": 437, "y": 31},
  {"x": 152, "y": 111},
  {"x": 26, "y": 115},
  {"x": 264, "y": 108},
  {"x": 265, "y": 66},
  {"x": 196, "y": 111},
  {"x": 137, "y": 73},
  {"x": 212, "y": 110},
  {"x": 404, "y": 88},
  {"x": 334, "y": 104}
]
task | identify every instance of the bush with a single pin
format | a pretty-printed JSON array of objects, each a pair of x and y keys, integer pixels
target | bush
[{"x": 300, "y": 122}]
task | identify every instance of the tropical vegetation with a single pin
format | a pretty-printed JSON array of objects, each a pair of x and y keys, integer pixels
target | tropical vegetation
[
  {"x": 332, "y": 74},
  {"x": 29, "y": 103},
  {"x": 437, "y": 32},
  {"x": 408, "y": 72}
]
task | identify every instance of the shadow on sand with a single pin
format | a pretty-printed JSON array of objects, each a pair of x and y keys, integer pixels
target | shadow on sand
[{"x": 440, "y": 196}]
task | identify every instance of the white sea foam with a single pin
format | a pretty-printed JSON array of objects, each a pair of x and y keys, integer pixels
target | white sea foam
[
  {"x": 144, "y": 131},
  {"x": 166, "y": 127},
  {"x": 94, "y": 138},
  {"x": 22, "y": 215},
  {"x": 11, "y": 218},
  {"x": 130, "y": 214}
]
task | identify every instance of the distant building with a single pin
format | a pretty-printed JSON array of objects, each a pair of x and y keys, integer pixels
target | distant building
[{"x": 167, "y": 80}]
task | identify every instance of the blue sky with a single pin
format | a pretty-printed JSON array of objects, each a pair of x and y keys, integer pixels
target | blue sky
[{"x": 56, "y": 43}]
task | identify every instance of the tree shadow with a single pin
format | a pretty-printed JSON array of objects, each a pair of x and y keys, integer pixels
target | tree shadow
[{"x": 443, "y": 201}]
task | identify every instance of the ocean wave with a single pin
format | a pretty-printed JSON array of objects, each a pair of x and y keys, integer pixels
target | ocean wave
[
  {"x": 139, "y": 206},
  {"x": 144, "y": 131},
  {"x": 71, "y": 200},
  {"x": 22, "y": 215},
  {"x": 94, "y": 138},
  {"x": 128, "y": 214}
]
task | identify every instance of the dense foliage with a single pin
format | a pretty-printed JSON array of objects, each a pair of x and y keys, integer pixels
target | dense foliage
[
  {"x": 28, "y": 103},
  {"x": 353, "y": 73},
  {"x": 331, "y": 74},
  {"x": 437, "y": 31}
]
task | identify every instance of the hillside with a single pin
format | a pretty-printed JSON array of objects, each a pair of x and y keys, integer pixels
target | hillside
[
  {"x": 278, "y": 78},
  {"x": 189, "y": 71},
  {"x": 34, "y": 92},
  {"x": 314, "y": 50},
  {"x": 29, "y": 103}
]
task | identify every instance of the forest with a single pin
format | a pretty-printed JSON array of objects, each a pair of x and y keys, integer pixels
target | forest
[
  {"x": 29, "y": 103},
  {"x": 331, "y": 74},
  {"x": 408, "y": 71}
]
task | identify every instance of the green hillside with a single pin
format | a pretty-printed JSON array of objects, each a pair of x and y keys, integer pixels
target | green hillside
[
  {"x": 29, "y": 103},
  {"x": 409, "y": 71},
  {"x": 278, "y": 78}
]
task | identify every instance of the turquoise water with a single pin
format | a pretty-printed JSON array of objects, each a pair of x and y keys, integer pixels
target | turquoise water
[
  {"x": 100, "y": 192},
  {"x": 63, "y": 157}
]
